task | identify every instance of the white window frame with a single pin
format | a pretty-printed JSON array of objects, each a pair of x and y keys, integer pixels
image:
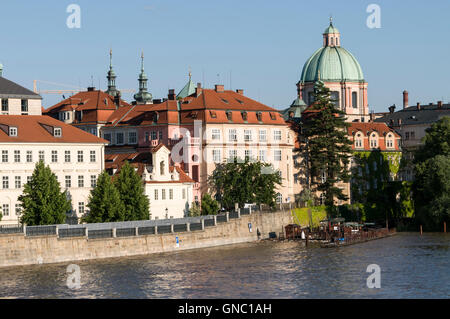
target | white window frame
[{"x": 215, "y": 134}]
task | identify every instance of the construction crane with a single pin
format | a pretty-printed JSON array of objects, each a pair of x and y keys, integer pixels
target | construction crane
[{"x": 74, "y": 89}]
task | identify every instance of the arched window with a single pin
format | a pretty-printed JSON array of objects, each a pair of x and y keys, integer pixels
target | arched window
[
  {"x": 354, "y": 100},
  {"x": 373, "y": 140},
  {"x": 389, "y": 141},
  {"x": 332, "y": 41},
  {"x": 337, "y": 41},
  {"x": 161, "y": 167},
  {"x": 358, "y": 141},
  {"x": 279, "y": 198}
]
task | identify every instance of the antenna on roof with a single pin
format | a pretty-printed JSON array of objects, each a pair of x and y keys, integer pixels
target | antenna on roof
[
  {"x": 92, "y": 80},
  {"x": 231, "y": 87}
]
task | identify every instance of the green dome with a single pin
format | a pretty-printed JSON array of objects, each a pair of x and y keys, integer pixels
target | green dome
[
  {"x": 331, "y": 29},
  {"x": 335, "y": 65}
]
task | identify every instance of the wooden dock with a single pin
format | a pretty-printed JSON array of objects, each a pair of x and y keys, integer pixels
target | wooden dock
[{"x": 360, "y": 237}]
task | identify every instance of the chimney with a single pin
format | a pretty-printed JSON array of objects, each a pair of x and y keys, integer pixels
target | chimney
[
  {"x": 439, "y": 104},
  {"x": 418, "y": 106},
  {"x": 91, "y": 88},
  {"x": 171, "y": 96},
  {"x": 198, "y": 89},
  {"x": 240, "y": 91},
  {"x": 405, "y": 99},
  {"x": 219, "y": 88}
]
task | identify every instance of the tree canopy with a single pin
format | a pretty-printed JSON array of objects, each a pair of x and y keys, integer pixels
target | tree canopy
[
  {"x": 105, "y": 204},
  {"x": 431, "y": 186},
  {"x": 243, "y": 182},
  {"x": 132, "y": 193},
  {"x": 42, "y": 201},
  {"x": 209, "y": 205},
  {"x": 326, "y": 146}
]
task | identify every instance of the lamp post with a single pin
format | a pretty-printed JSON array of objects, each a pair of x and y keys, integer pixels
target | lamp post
[{"x": 167, "y": 213}]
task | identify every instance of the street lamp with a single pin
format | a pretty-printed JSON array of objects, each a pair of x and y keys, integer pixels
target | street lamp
[{"x": 167, "y": 213}]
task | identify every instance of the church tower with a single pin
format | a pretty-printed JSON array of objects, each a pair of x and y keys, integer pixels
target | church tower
[
  {"x": 143, "y": 97},
  {"x": 111, "y": 78},
  {"x": 341, "y": 72}
]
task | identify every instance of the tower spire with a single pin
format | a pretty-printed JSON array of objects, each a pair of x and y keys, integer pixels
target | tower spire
[
  {"x": 111, "y": 78},
  {"x": 110, "y": 59},
  {"x": 143, "y": 97}
]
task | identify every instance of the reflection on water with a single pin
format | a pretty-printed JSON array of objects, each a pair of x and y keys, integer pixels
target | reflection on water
[{"x": 412, "y": 266}]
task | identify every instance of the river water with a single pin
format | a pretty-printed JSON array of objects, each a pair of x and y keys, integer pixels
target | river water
[{"x": 412, "y": 266}]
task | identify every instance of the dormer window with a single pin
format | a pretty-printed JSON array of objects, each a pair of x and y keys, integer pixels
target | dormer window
[
  {"x": 57, "y": 132},
  {"x": 225, "y": 101},
  {"x": 229, "y": 115},
  {"x": 13, "y": 131},
  {"x": 213, "y": 114},
  {"x": 273, "y": 116},
  {"x": 389, "y": 141},
  {"x": 358, "y": 141},
  {"x": 24, "y": 106},
  {"x": 194, "y": 114},
  {"x": 161, "y": 168},
  {"x": 244, "y": 115},
  {"x": 259, "y": 116},
  {"x": 373, "y": 140}
]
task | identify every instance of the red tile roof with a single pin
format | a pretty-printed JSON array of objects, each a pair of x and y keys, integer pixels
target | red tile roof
[
  {"x": 140, "y": 160},
  {"x": 96, "y": 105},
  {"x": 209, "y": 106},
  {"x": 37, "y": 129},
  {"x": 365, "y": 127}
]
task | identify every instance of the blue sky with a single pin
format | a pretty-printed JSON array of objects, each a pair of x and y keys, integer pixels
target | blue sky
[{"x": 261, "y": 44}]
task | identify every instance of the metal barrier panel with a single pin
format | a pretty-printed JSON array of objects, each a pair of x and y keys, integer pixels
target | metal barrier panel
[
  {"x": 245, "y": 211},
  {"x": 41, "y": 230},
  {"x": 164, "y": 229},
  {"x": 72, "y": 232},
  {"x": 11, "y": 229},
  {"x": 221, "y": 218},
  {"x": 179, "y": 228},
  {"x": 234, "y": 215},
  {"x": 208, "y": 223},
  {"x": 197, "y": 226},
  {"x": 149, "y": 230},
  {"x": 125, "y": 232},
  {"x": 100, "y": 233}
]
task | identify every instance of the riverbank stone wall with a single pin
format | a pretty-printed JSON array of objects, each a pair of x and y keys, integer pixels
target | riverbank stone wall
[{"x": 16, "y": 249}]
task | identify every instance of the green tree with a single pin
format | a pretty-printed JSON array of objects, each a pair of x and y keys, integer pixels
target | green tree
[
  {"x": 132, "y": 193},
  {"x": 209, "y": 205},
  {"x": 327, "y": 146},
  {"x": 435, "y": 142},
  {"x": 195, "y": 210},
  {"x": 432, "y": 191},
  {"x": 105, "y": 204},
  {"x": 42, "y": 201},
  {"x": 244, "y": 182},
  {"x": 431, "y": 187}
]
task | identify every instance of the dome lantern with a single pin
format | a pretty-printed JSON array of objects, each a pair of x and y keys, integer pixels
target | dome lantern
[{"x": 331, "y": 36}]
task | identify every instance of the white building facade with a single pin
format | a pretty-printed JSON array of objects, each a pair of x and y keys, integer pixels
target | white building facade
[{"x": 74, "y": 156}]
